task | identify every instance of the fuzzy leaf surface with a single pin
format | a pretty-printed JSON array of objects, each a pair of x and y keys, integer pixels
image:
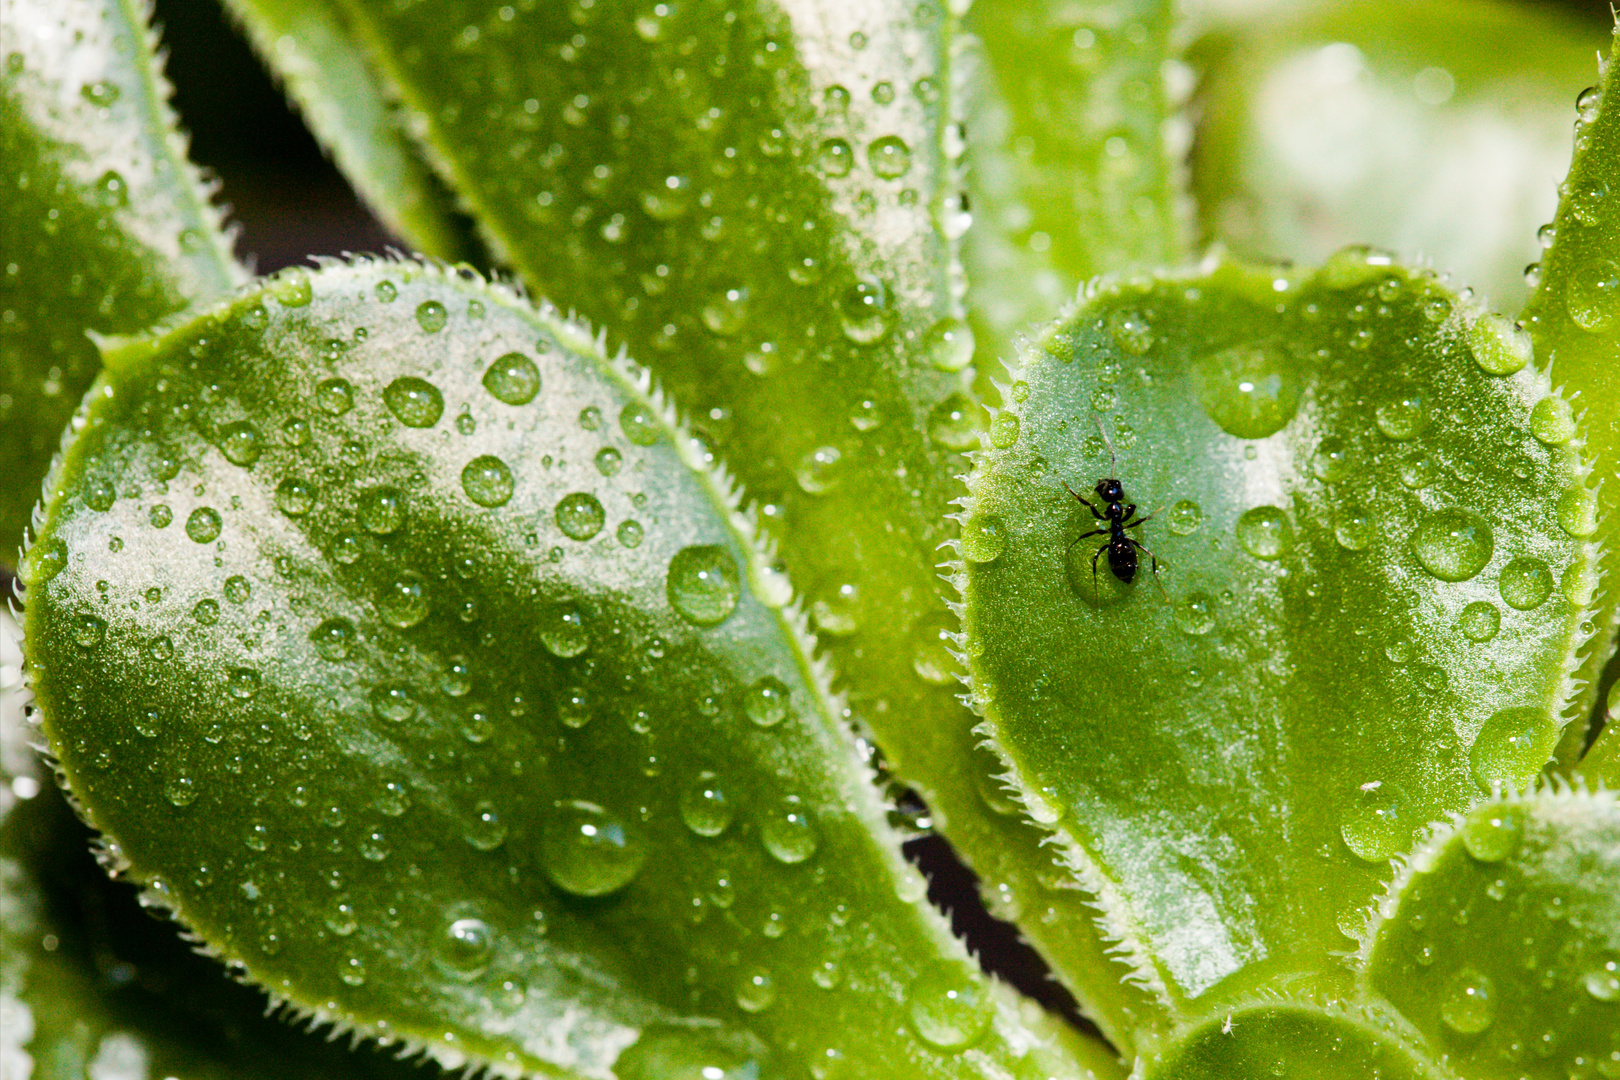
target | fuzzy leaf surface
[
  {"x": 416, "y": 667},
  {"x": 1501, "y": 942},
  {"x": 762, "y": 202},
  {"x": 1233, "y": 763},
  {"x": 105, "y": 225}
]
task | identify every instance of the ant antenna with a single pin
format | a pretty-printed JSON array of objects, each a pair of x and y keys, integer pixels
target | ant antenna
[{"x": 1113, "y": 460}]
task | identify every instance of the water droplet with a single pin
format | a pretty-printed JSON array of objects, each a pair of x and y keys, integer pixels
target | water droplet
[
  {"x": 206, "y": 612},
  {"x": 630, "y": 533},
  {"x": 1479, "y": 621},
  {"x": 639, "y": 424},
  {"x": 755, "y": 990},
  {"x": 1195, "y": 615},
  {"x": 669, "y": 199},
  {"x": 341, "y": 920},
  {"x": 703, "y": 585},
  {"x": 671, "y": 1053},
  {"x": 1603, "y": 981},
  {"x": 766, "y": 702},
  {"x": 1354, "y": 529},
  {"x": 580, "y": 516},
  {"x": 1492, "y": 832},
  {"x": 1577, "y": 512},
  {"x": 1552, "y": 421},
  {"x": 609, "y": 461},
  {"x": 393, "y": 702},
  {"x": 1185, "y": 518},
  {"x": 382, "y": 510},
  {"x": 513, "y": 379},
  {"x": 1511, "y": 747},
  {"x": 294, "y": 497},
  {"x": 487, "y": 481},
  {"x": 293, "y": 288},
  {"x": 1004, "y": 430},
  {"x": 864, "y": 309},
  {"x": 1453, "y": 544},
  {"x": 203, "y": 524},
  {"x": 243, "y": 683},
  {"x": 394, "y": 799},
  {"x": 835, "y": 158},
  {"x": 950, "y": 1008},
  {"x": 820, "y": 470},
  {"x": 984, "y": 538},
  {"x": 431, "y": 316},
  {"x": 1375, "y": 828},
  {"x": 954, "y": 422},
  {"x": 180, "y": 790},
  {"x": 590, "y": 852},
  {"x": 416, "y": 402},
  {"x": 334, "y": 396},
  {"x": 1586, "y": 201},
  {"x": 705, "y": 807},
  {"x": 237, "y": 590},
  {"x": 1265, "y": 532},
  {"x": 788, "y": 832},
  {"x": 100, "y": 94},
  {"x": 403, "y": 602},
  {"x": 562, "y": 630},
  {"x": 889, "y": 157},
  {"x": 1525, "y": 584},
  {"x": 353, "y": 971},
  {"x": 45, "y": 560},
  {"x": 1500, "y": 347},
  {"x": 931, "y": 650},
  {"x": 478, "y": 725},
  {"x": 1251, "y": 390},
  {"x": 333, "y": 639},
  {"x": 466, "y": 948},
  {"x": 240, "y": 443},
  {"x": 1331, "y": 462},
  {"x": 1594, "y": 293},
  {"x": 949, "y": 345},
  {"x": 726, "y": 312},
  {"x": 1403, "y": 417},
  {"x": 160, "y": 516},
  {"x": 1468, "y": 1003},
  {"x": 487, "y": 831}
]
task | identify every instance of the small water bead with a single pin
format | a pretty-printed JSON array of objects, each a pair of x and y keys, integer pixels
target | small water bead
[
  {"x": 1500, "y": 346},
  {"x": 294, "y": 497},
  {"x": 1374, "y": 829},
  {"x": 353, "y": 971},
  {"x": 341, "y": 920},
  {"x": 334, "y": 396},
  {"x": 765, "y": 703},
  {"x": 512, "y": 379},
  {"x": 639, "y": 424},
  {"x": 347, "y": 549},
  {"x": 820, "y": 470},
  {"x": 486, "y": 831},
  {"x": 240, "y": 443},
  {"x": 949, "y": 344},
  {"x": 160, "y": 516},
  {"x": 1593, "y": 296},
  {"x": 1265, "y": 532},
  {"x": 755, "y": 990},
  {"x": 393, "y": 702},
  {"x": 403, "y": 602},
  {"x": 609, "y": 461},
  {"x": 431, "y": 316},
  {"x": 580, "y": 515},
  {"x": 1492, "y": 832},
  {"x": 705, "y": 807},
  {"x": 477, "y": 726},
  {"x": 394, "y": 799},
  {"x": 1453, "y": 544},
  {"x": 950, "y": 1009},
  {"x": 203, "y": 524},
  {"x": 1525, "y": 584},
  {"x": 1511, "y": 747},
  {"x": 1185, "y": 518},
  {"x": 1552, "y": 421},
  {"x": 1468, "y": 1003},
  {"x": 99, "y": 493},
  {"x": 382, "y": 510},
  {"x": 630, "y": 533},
  {"x": 590, "y": 418},
  {"x": 889, "y": 157},
  {"x": 1004, "y": 430},
  {"x": 206, "y": 612},
  {"x": 1331, "y": 461},
  {"x": 1577, "y": 512},
  {"x": 788, "y": 832},
  {"x": 487, "y": 481},
  {"x": 1252, "y": 390},
  {"x": 466, "y": 948},
  {"x": 865, "y": 312},
  {"x": 1479, "y": 621},
  {"x": 1603, "y": 981},
  {"x": 457, "y": 678},
  {"x": 984, "y": 538},
  {"x": 703, "y": 585},
  {"x": 589, "y": 851},
  {"x": 562, "y": 630},
  {"x": 180, "y": 790},
  {"x": 386, "y": 291},
  {"x": 954, "y": 422},
  {"x": 1195, "y": 614},
  {"x": 292, "y": 288},
  {"x": 726, "y": 312},
  {"x": 416, "y": 402},
  {"x": 1354, "y": 529},
  {"x": 243, "y": 683},
  {"x": 333, "y": 639}
]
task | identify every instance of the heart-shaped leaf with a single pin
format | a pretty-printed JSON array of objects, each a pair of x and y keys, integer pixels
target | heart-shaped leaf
[
  {"x": 424, "y": 669},
  {"x": 1357, "y": 604}
]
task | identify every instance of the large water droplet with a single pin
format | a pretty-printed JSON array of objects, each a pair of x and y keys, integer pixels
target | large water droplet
[
  {"x": 949, "y": 345},
  {"x": 590, "y": 852},
  {"x": 465, "y": 950},
  {"x": 1453, "y": 544},
  {"x": 1525, "y": 584},
  {"x": 1354, "y": 529},
  {"x": 562, "y": 630},
  {"x": 984, "y": 538},
  {"x": 1577, "y": 512},
  {"x": 1468, "y": 1003},
  {"x": 788, "y": 832},
  {"x": 203, "y": 524},
  {"x": 703, "y": 585},
  {"x": 382, "y": 510},
  {"x": 334, "y": 397},
  {"x": 487, "y": 481},
  {"x": 403, "y": 602},
  {"x": 333, "y": 639},
  {"x": 580, "y": 515},
  {"x": 766, "y": 702},
  {"x": 416, "y": 402},
  {"x": 950, "y": 1008},
  {"x": 294, "y": 497},
  {"x": 1552, "y": 421},
  {"x": 180, "y": 790},
  {"x": 954, "y": 422},
  {"x": 1492, "y": 832},
  {"x": 666, "y": 1053},
  {"x": 293, "y": 288},
  {"x": 45, "y": 560},
  {"x": 1511, "y": 747},
  {"x": 639, "y": 424},
  {"x": 705, "y": 807},
  {"x": 1265, "y": 532},
  {"x": 889, "y": 157},
  {"x": 1594, "y": 295},
  {"x": 1499, "y": 346},
  {"x": 240, "y": 443},
  {"x": 431, "y": 316},
  {"x": 243, "y": 683},
  {"x": 1603, "y": 981},
  {"x": 726, "y": 312},
  {"x": 513, "y": 379},
  {"x": 1251, "y": 390},
  {"x": 393, "y": 702},
  {"x": 1375, "y": 828},
  {"x": 1185, "y": 518}
]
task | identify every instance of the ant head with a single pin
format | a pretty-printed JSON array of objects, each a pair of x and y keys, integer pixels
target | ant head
[{"x": 1110, "y": 490}]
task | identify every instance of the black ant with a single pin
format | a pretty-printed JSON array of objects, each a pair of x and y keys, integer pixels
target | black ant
[{"x": 1121, "y": 549}]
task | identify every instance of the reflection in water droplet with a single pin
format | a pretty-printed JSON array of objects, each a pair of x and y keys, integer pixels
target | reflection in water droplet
[
  {"x": 1479, "y": 621},
  {"x": 180, "y": 790},
  {"x": 820, "y": 470},
  {"x": 465, "y": 950},
  {"x": 1185, "y": 518},
  {"x": 333, "y": 639},
  {"x": 403, "y": 602},
  {"x": 788, "y": 832},
  {"x": 726, "y": 312},
  {"x": 1492, "y": 832},
  {"x": 580, "y": 515},
  {"x": 382, "y": 510},
  {"x": 1375, "y": 827},
  {"x": 766, "y": 702},
  {"x": 1453, "y": 544},
  {"x": 889, "y": 157},
  {"x": 431, "y": 316},
  {"x": 638, "y": 424},
  {"x": 705, "y": 807},
  {"x": 1468, "y": 1003},
  {"x": 1331, "y": 462},
  {"x": 954, "y": 422},
  {"x": 1552, "y": 421},
  {"x": 203, "y": 524},
  {"x": 243, "y": 683},
  {"x": 1577, "y": 512},
  {"x": 487, "y": 481},
  {"x": 513, "y": 379},
  {"x": 1353, "y": 528},
  {"x": 1265, "y": 532},
  {"x": 630, "y": 533},
  {"x": 240, "y": 443},
  {"x": 417, "y": 403},
  {"x": 1603, "y": 981},
  {"x": 1403, "y": 417},
  {"x": 1511, "y": 747},
  {"x": 703, "y": 585},
  {"x": 486, "y": 831},
  {"x": 1593, "y": 296},
  {"x": 1525, "y": 584},
  {"x": 590, "y": 852},
  {"x": 334, "y": 397},
  {"x": 294, "y": 497},
  {"x": 950, "y": 1008},
  {"x": 1500, "y": 347},
  {"x": 1250, "y": 390},
  {"x": 865, "y": 312},
  {"x": 984, "y": 538},
  {"x": 609, "y": 461},
  {"x": 562, "y": 630}
]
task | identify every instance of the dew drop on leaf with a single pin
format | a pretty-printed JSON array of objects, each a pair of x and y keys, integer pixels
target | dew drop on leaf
[
  {"x": 403, "y": 602},
  {"x": 1375, "y": 827},
  {"x": 1492, "y": 832},
  {"x": 203, "y": 524},
  {"x": 294, "y": 497},
  {"x": 984, "y": 538},
  {"x": 702, "y": 584},
  {"x": 486, "y": 831},
  {"x": 788, "y": 832},
  {"x": 333, "y": 639},
  {"x": 431, "y": 316},
  {"x": 416, "y": 402},
  {"x": 487, "y": 481},
  {"x": 1525, "y": 583},
  {"x": 953, "y": 423},
  {"x": 590, "y": 852},
  {"x": 1511, "y": 747},
  {"x": 705, "y": 807},
  {"x": 334, "y": 397},
  {"x": 765, "y": 702},
  {"x": 562, "y": 630},
  {"x": 949, "y": 1008},
  {"x": 240, "y": 443},
  {"x": 638, "y": 424},
  {"x": 1479, "y": 621},
  {"x": 1453, "y": 544},
  {"x": 820, "y": 470},
  {"x": 949, "y": 345},
  {"x": 1250, "y": 390},
  {"x": 1265, "y": 532},
  {"x": 889, "y": 157},
  {"x": 580, "y": 515},
  {"x": 466, "y": 948},
  {"x": 1468, "y": 1002},
  {"x": 382, "y": 510},
  {"x": 513, "y": 379},
  {"x": 1552, "y": 421},
  {"x": 755, "y": 991}
]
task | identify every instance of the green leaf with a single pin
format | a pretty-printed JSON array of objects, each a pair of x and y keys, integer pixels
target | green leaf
[
  {"x": 1365, "y": 610},
  {"x": 105, "y": 225},
  {"x": 1501, "y": 940},
  {"x": 1071, "y": 169},
  {"x": 313, "y": 51},
  {"x": 762, "y": 204},
  {"x": 424, "y": 671}
]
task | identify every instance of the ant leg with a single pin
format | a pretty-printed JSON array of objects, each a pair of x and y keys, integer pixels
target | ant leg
[
  {"x": 1096, "y": 589},
  {"x": 1083, "y": 501},
  {"x": 1154, "y": 559},
  {"x": 1076, "y": 540},
  {"x": 1139, "y": 521}
]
